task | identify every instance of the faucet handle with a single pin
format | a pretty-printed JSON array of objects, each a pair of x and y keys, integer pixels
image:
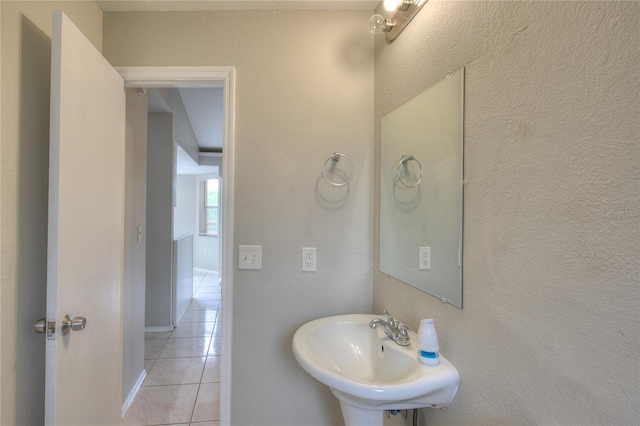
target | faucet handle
[
  {"x": 390, "y": 321},
  {"x": 403, "y": 334}
]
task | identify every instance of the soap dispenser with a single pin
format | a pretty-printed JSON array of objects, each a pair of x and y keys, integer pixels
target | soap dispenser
[{"x": 428, "y": 343}]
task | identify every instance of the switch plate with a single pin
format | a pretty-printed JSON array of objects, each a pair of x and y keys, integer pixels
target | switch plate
[
  {"x": 250, "y": 257},
  {"x": 139, "y": 234},
  {"x": 308, "y": 259},
  {"x": 425, "y": 258}
]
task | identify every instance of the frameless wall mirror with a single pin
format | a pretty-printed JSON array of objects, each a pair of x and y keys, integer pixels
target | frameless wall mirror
[{"x": 421, "y": 190}]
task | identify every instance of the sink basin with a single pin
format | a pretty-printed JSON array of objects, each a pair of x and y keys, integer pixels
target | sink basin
[{"x": 367, "y": 371}]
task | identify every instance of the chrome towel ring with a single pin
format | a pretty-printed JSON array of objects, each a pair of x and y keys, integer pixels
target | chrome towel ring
[
  {"x": 336, "y": 157},
  {"x": 403, "y": 160}
]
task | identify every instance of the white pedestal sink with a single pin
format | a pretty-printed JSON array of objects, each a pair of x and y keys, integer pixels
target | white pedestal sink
[{"x": 368, "y": 372}]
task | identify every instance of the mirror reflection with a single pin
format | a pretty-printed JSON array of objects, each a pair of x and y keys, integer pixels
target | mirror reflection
[{"x": 421, "y": 184}]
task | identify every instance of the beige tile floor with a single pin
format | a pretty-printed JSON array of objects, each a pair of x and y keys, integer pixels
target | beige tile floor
[{"x": 183, "y": 366}]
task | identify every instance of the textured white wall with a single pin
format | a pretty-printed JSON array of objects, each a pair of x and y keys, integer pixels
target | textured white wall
[
  {"x": 133, "y": 287},
  {"x": 182, "y": 131},
  {"x": 159, "y": 236},
  {"x": 549, "y": 333},
  {"x": 24, "y": 169},
  {"x": 182, "y": 275},
  {"x": 304, "y": 91},
  {"x": 185, "y": 209}
]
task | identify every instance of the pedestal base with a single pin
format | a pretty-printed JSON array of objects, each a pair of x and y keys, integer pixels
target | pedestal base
[{"x": 356, "y": 416}]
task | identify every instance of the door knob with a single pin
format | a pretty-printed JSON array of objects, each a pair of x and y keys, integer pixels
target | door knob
[
  {"x": 75, "y": 324},
  {"x": 40, "y": 326}
]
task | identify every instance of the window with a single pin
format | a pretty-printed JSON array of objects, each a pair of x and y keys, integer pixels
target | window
[{"x": 209, "y": 211}]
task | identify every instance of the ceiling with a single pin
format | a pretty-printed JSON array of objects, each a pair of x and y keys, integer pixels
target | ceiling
[
  {"x": 190, "y": 5},
  {"x": 204, "y": 108}
]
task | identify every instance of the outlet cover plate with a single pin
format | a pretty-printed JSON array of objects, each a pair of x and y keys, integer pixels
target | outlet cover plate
[
  {"x": 425, "y": 258},
  {"x": 308, "y": 259}
]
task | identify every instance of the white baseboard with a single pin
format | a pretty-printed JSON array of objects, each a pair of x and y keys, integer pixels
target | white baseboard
[
  {"x": 206, "y": 271},
  {"x": 158, "y": 329},
  {"x": 134, "y": 391}
]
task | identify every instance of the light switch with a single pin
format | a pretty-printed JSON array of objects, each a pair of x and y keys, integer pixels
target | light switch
[{"x": 250, "y": 257}]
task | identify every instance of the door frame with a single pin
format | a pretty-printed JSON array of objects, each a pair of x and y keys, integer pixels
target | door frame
[{"x": 203, "y": 77}]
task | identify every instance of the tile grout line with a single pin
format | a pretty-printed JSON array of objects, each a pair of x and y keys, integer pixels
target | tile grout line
[
  {"x": 195, "y": 403},
  {"x": 208, "y": 336}
]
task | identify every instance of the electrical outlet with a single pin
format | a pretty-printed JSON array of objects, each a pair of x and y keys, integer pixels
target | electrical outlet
[
  {"x": 250, "y": 257},
  {"x": 308, "y": 259},
  {"x": 425, "y": 258}
]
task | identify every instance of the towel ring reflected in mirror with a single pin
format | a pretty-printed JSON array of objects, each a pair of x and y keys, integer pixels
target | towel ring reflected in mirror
[
  {"x": 403, "y": 161},
  {"x": 336, "y": 157}
]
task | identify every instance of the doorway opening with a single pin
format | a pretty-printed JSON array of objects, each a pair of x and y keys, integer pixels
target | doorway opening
[{"x": 209, "y": 214}]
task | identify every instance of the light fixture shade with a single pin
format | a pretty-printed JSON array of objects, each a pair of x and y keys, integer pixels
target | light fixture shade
[
  {"x": 378, "y": 24},
  {"x": 391, "y": 5}
]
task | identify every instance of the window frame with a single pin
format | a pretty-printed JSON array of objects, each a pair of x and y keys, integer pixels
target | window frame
[{"x": 204, "y": 207}]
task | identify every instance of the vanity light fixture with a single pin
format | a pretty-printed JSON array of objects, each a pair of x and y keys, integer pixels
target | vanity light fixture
[
  {"x": 379, "y": 24},
  {"x": 405, "y": 11},
  {"x": 391, "y": 5}
]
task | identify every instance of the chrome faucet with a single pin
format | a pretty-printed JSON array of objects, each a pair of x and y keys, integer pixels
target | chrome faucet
[{"x": 396, "y": 331}]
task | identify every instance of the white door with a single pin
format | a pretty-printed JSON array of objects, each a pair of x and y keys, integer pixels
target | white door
[{"x": 86, "y": 214}]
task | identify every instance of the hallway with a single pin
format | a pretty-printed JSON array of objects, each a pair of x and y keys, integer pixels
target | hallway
[{"x": 183, "y": 366}]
